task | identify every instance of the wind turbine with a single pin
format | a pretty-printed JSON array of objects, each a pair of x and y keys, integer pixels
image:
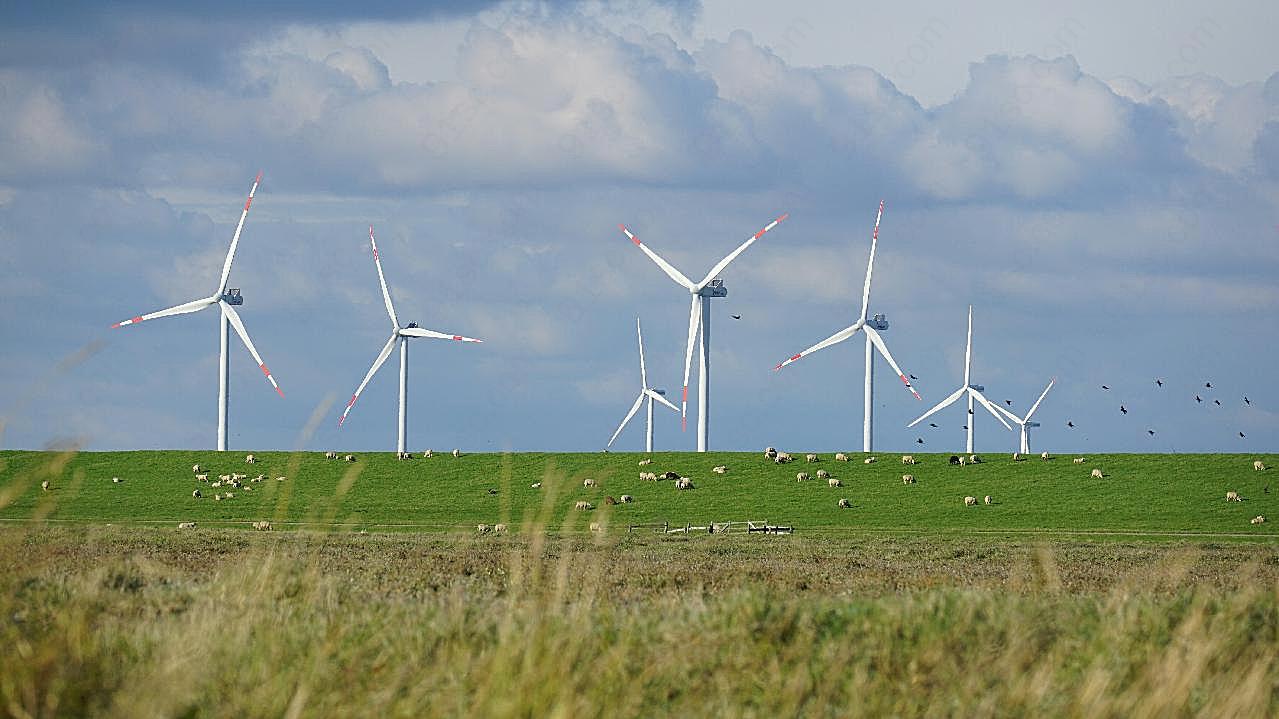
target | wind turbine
[
  {"x": 401, "y": 335},
  {"x": 225, "y": 299},
  {"x": 1025, "y": 423},
  {"x": 974, "y": 392},
  {"x": 645, "y": 391},
  {"x": 700, "y": 313},
  {"x": 869, "y": 327}
]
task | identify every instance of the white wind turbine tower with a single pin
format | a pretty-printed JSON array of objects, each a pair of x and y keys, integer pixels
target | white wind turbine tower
[
  {"x": 700, "y": 313},
  {"x": 645, "y": 392},
  {"x": 225, "y": 299},
  {"x": 974, "y": 392},
  {"x": 870, "y": 328},
  {"x": 1025, "y": 422},
  {"x": 401, "y": 335}
]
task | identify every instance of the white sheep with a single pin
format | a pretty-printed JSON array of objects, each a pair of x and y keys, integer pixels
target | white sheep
[
  {"x": 770, "y": 453},
  {"x": 833, "y": 482},
  {"x": 626, "y": 499},
  {"x": 1044, "y": 455},
  {"x": 684, "y": 483},
  {"x": 202, "y": 477},
  {"x": 216, "y": 484},
  {"x": 281, "y": 479},
  {"x": 250, "y": 459},
  {"x": 801, "y": 477},
  {"x": 186, "y": 525},
  {"x": 989, "y": 501},
  {"x": 229, "y": 495},
  {"x": 1258, "y": 465},
  {"x": 720, "y": 469},
  {"x": 908, "y": 479},
  {"x": 499, "y": 529},
  {"x": 596, "y": 527},
  {"x": 457, "y": 453},
  {"x": 974, "y": 459},
  {"x": 224, "y": 478},
  {"x": 262, "y": 526},
  {"x": 588, "y": 482},
  {"x": 236, "y": 476},
  {"x": 1016, "y": 456},
  {"x": 116, "y": 480},
  {"x": 908, "y": 459},
  {"x": 217, "y": 497},
  {"x": 195, "y": 468},
  {"x": 482, "y": 528},
  {"x": 970, "y": 501},
  {"x": 1097, "y": 474},
  {"x": 349, "y": 458},
  {"x": 196, "y": 494},
  {"x": 583, "y": 505},
  {"x": 259, "y": 478},
  {"x": 45, "y": 485},
  {"x": 845, "y": 504},
  {"x": 646, "y": 461},
  {"x": 536, "y": 485},
  {"x": 1080, "y": 460},
  {"x": 1259, "y": 519},
  {"x": 823, "y": 474},
  {"x": 868, "y": 460},
  {"x": 404, "y": 455},
  {"x": 1233, "y": 496},
  {"x": 330, "y": 455},
  {"x": 428, "y": 454},
  {"x": 783, "y": 458},
  {"x": 962, "y": 460},
  {"x": 810, "y": 457},
  {"x": 841, "y": 457}
]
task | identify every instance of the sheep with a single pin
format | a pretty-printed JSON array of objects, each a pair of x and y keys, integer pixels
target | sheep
[
  {"x": 1233, "y": 496},
  {"x": 330, "y": 455},
  {"x": 236, "y": 476},
  {"x": 535, "y": 485},
  {"x": 908, "y": 479},
  {"x": 609, "y": 500},
  {"x": 970, "y": 501},
  {"x": 720, "y": 469},
  {"x": 250, "y": 459},
  {"x": 845, "y": 504},
  {"x": 457, "y": 453},
  {"x": 491, "y": 491},
  {"x": 196, "y": 469},
  {"x": 116, "y": 480},
  {"x": 404, "y": 455},
  {"x": 1016, "y": 456},
  {"x": 45, "y": 485},
  {"x": 770, "y": 453},
  {"x": 224, "y": 478},
  {"x": 482, "y": 528},
  {"x": 248, "y": 489},
  {"x": 428, "y": 454},
  {"x": 202, "y": 477},
  {"x": 1259, "y": 519},
  {"x": 229, "y": 495},
  {"x": 263, "y": 526},
  {"x": 974, "y": 459},
  {"x": 989, "y": 500},
  {"x": 783, "y": 458},
  {"x": 1080, "y": 460},
  {"x": 499, "y": 529},
  {"x": 670, "y": 475},
  {"x": 281, "y": 479},
  {"x": 908, "y": 459},
  {"x": 841, "y": 457},
  {"x": 801, "y": 477},
  {"x": 216, "y": 484},
  {"x": 684, "y": 483},
  {"x": 1258, "y": 465},
  {"x": 823, "y": 474},
  {"x": 349, "y": 458},
  {"x": 626, "y": 499},
  {"x": 646, "y": 461},
  {"x": 810, "y": 457},
  {"x": 583, "y": 505},
  {"x": 259, "y": 478},
  {"x": 237, "y": 483},
  {"x": 962, "y": 460},
  {"x": 196, "y": 494},
  {"x": 186, "y": 525},
  {"x": 1044, "y": 455},
  {"x": 588, "y": 482},
  {"x": 833, "y": 482},
  {"x": 217, "y": 497},
  {"x": 596, "y": 527},
  {"x": 868, "y": 460},
  {"x": 1097, "y": 474}
]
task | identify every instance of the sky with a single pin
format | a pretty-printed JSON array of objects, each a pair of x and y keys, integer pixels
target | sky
[{"x": 1099, "y": 181}]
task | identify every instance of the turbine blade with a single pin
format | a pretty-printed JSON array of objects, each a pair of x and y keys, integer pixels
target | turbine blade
[
  {"x": 182, "y": 309},
  {"x": 419, "y": 332},
  {"x": 1035, "y": 406},
  {"x": 694, "y": 320},
  {"x": 634, "y": 408},
  {"x": 939, "y": 406},
  {"x": 968, "y": 349},
  {"x": 673, "y": 273},
  {"x": 660, "y": 398},
  {"x": 836, "y": 338},
  {"x": 386, "y": 293},
  {"x": 719, "y": 266},
  {"x": 1010, "y": 415},
  {"x": 235, "y": 239},
  {"x": 238, "y": 324},
  {"x": 643, "y": 373},
  {"x": 883, "y": 350},
  {"x": 870, "y": 264},
  {"x": 377, "y": 364},
  {"x": 989, "y": 407}
]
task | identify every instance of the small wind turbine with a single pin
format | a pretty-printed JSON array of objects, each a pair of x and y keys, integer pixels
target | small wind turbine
[
  {"x": 225, "y": 299},
  {"x": 974, "y": 392},
  {"x": 645, "y": 391},
  {"x": 869, "y": 327},
  {"x": 401, "y": 335},
  {"x": 700, "y": 312},
  {"x": 1025, "y": 423}
]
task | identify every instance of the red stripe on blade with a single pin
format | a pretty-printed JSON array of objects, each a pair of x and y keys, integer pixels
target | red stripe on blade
[
  {"x": 792, "y": 359},
  {"x": 457, "y": 337},
  {"x": 685, "y": 400},
  {"x": 265, "y": 371},
  {"x": 136, "y": 319}
]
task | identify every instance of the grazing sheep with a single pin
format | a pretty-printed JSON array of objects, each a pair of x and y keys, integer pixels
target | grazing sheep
[
  {"x": 833, "y": 482},
  {"x": 1096, "y": 474},
  {"x": 1259, "y": 519},
  {"x": 810, "y": 457},
  {"x": 721, "y": 469},
  {"x": 236, "y": 476},
  {"x": 1080, "y": 460},
  {"x": 280, "y": 479},
  {"x": 588, "y": 482},
  {"x": 259, "y": 478},
  {"x": 783, "y": 458},
  {"x": 482, "y": 528},
  {"x": 989, "y": 501},
  {"x": 770, "y": 453},
  {"x": 224, "y": 478},
  {"x": 196, "y": 468},
  {"x": 845, "y": 504},
  {"x": 626, "y": 499},
  {"x": 823, "y": 474},
  {"x": 250, "y": 459},
  {"x": 1233, "y": 496},
  {"x": 499, "y": 529},
  {"x": 217, "y": 497},
  {"x": 974, "y": 459},
  {"x": 970, "y": 501},
  {"x": 45, "y": 485},
  {"x": 954, "y": 460},
  {"x": 216, "y": 484},
  {"x": 457, "y": 453},
  {"x": 597, "y": 527},
  {"x": 610, "y": 501},
  {"x": 841, "y": 457},
  {"x": 196, "y": 494},
  {"x": 263, "y": 526},
  {"x": 1044, "y": 455},
  {"x": 186, "y": 525},
  {"x": 116, "y": 480},
  {"x": 202, "y": 477},
  {"x": 330, "y": 455},
  {"x": 349, "y": 458},
  {"x": 962, "y": 460},
  {"x": 248, "y": 489},
  {"x": 646, "y": 461},
  {"x": 1258, "y": 465},
  {"x": 428, "y": 454},
  {"x": 583, "y": 505},
  {"x": 908, "y": 479},
  {"x": 1016, "y": 456},
  {"x": 908, "y": 459},
  {"x": 801, "y": 477},
  {"x": 229, "y": 495},
  {"x": 868, "y": 460},
  {"x": 684, "y": 483},
  {"x": 536, "y": 485},
  {"x": 404, "y": 455},
  {"x": 670, "y": 475}
]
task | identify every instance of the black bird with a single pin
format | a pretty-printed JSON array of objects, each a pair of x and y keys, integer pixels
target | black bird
[
  {"x": 1241, "y": 434},
  {"x": 736, "y": 317},
  {"x": 970, "y": 411},
  {"x": 1104, "y": 387},
  {"x": 1008, "y": 402},
  {"x": 1217, "y": 402},
  {"x": 919, "y": 440},
  {"x": 930, "y": 424},
  {"x": 1123, "y": 409},
  {"x": 1159, "y": 382},
  {"x": 1151, "y": 432},
  {"x": 1208, "y": 385},
  {"x": 1198, "y": 399},
  {"x": 1245, "y": 401},
  {"x": 965, "y": 427},
  {"x": 913, "y": 377},
  {"x": 1070, "y": 424}
]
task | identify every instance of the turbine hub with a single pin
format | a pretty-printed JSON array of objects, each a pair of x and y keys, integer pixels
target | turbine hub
[{"x": 233, "y": 297}]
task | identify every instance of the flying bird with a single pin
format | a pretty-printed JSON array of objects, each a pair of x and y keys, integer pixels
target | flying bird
[
  {"x": 1159, "y": 382},
  {"x": 965, "y": 427},
  {"x": 1198, "y": 398},
  {"x": 1008, "y": 402},
  {"x": 913, "y": 377},
  {"x": 970, "y": 411},
  {"x": 736, "y": 317},
  {"x": 1151, "y": 432},
  {"x": 1123, "y": 409},
  {"x": 1245, "y": 401},
  {"x": 1104, "y": 387},
  {"x": 1217, "y": 402},
  {"x": 931, "y": 424},
  {"x": 1241, "y": 434},
  {"x": 1208, "y": 385},
  {"x": 919, "y": 440},
  {"x": 1070, "y": 424}
]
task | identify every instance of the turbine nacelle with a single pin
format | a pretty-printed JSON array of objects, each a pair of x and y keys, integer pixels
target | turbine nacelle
[{"x": 715, "y": 288}]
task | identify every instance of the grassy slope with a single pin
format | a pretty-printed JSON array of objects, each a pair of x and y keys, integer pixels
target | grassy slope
[{"x": 1153, "y": 493}]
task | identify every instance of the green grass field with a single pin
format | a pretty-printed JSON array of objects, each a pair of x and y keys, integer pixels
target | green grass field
[{"x": 1144, "y": 494}]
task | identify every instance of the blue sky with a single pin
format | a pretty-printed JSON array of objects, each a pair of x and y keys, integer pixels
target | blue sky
[{"x": 1100, "y": 182}]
